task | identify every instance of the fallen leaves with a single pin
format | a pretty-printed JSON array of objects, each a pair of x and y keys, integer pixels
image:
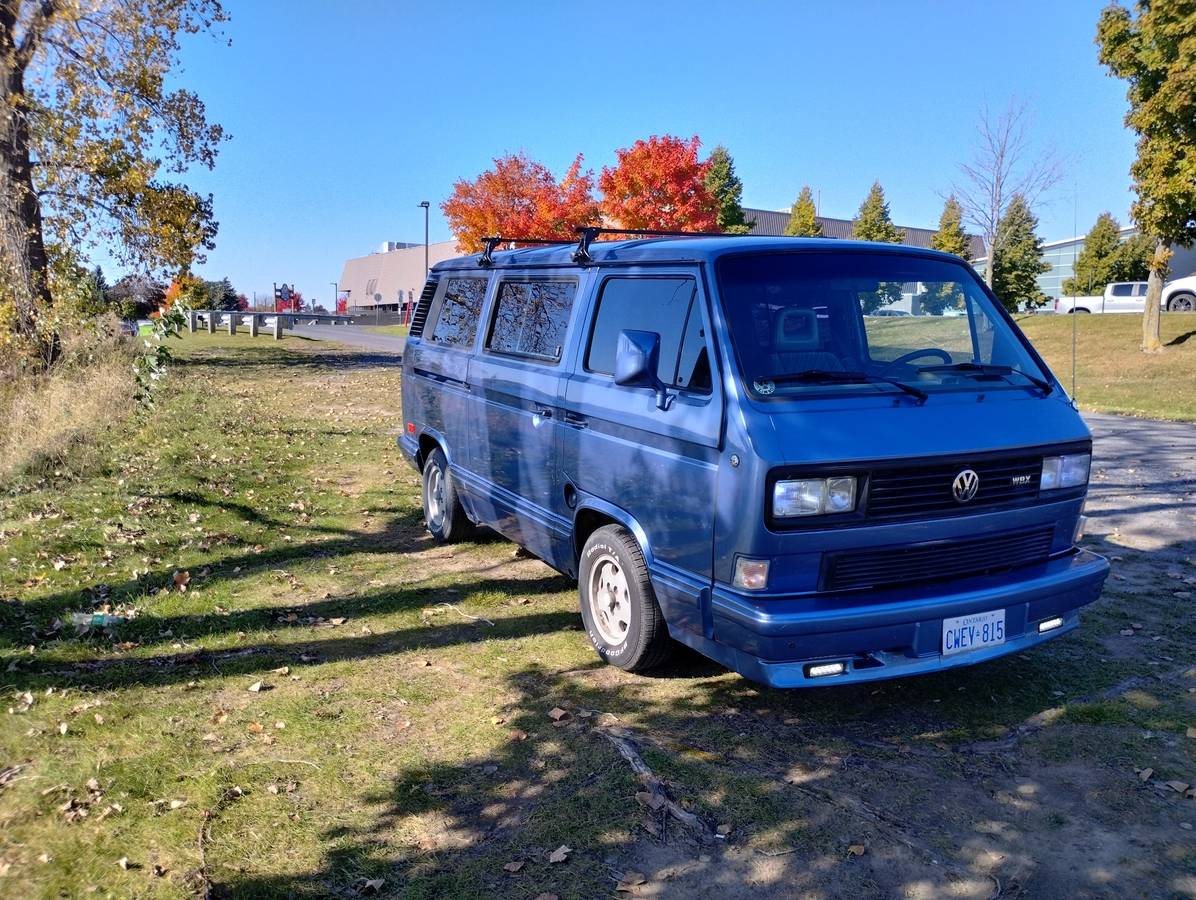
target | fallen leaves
[
  {"x": 514, "y": 866},
  {"x": 181, "y": 581},
  {"x": 559, "y": 716},
  {"x": 856, "y": 850},
  {"x": 560, "y": 854},
  {"x": 257, "y": 687}
]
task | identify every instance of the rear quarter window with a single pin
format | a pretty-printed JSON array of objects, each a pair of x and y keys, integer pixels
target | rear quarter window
[{"x": 460, "y": 308}]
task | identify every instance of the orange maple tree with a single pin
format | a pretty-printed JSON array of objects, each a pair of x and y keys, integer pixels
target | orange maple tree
[
  {"x": 520, "y": 197},
  {"x": 658, "y": 184}
]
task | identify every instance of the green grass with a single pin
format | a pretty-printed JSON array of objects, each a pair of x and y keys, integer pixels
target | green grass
[
  {"x": 404, "y": 732},
  {"x": 396, "y": 330},
  {"x": 1112, "y": 374}
]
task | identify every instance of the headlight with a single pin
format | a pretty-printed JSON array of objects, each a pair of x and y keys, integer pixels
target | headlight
[
  {"x": 813, "y": 496},
  {"x": 1064, "y": 471}
]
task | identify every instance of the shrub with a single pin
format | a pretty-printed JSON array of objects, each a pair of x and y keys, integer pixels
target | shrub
[{"x": 53, "y": 420}]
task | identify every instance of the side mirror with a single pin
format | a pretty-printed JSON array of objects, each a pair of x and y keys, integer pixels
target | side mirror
[{"x": 636, "y": 358}]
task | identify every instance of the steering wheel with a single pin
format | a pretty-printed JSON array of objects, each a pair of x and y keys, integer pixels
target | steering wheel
[{"x": 918, "y": 354}]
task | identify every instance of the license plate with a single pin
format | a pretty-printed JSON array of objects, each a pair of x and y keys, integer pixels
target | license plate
[{"x": 964, "y": 633}]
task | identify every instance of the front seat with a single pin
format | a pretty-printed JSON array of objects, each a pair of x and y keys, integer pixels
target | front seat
[{"x": 796, "y": 346}]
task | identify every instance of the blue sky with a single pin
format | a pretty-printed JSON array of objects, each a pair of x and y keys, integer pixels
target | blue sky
[{"x": 342, "y": 122}]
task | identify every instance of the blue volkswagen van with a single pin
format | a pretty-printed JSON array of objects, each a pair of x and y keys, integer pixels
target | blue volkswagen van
[{"x": 813, "y": 461}]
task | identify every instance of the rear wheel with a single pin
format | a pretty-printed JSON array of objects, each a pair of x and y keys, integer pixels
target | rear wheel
[
  {"x": 619, "y": 608},
  {"x": 1182, "y": 303},
  {"x": 443, "y": 512}
]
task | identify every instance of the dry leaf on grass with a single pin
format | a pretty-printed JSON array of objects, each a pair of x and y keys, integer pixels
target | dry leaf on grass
[
  {"x": 182, "y": 580},
  {"x": 557, "y": 714},
  {"x": 857, "y": 850},
  {"x": 1144, "y": 774},
  {"x": 257, "y": 687},
  {"x": 1191, "y": 732},
  {"x": 560, "y": 854},
  {"x": 547, "y": 896},
  {"x": 514, "y": 866},
  {"x": 255, "y": 728}
]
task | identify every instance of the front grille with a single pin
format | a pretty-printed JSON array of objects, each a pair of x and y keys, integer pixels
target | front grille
[
  {"x": 420, "y": 318},
  {"x": 926, "y": 490},
  {"x": 935, "y": 561}
]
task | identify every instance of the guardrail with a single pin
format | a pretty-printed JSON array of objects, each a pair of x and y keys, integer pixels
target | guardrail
[{"x": 274, "y": 322}]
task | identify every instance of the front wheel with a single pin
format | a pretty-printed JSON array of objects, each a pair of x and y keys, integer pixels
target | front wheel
[
  {"x": 618, "y": 605},
  {"x": 443, "y": 512},
  {"x": 1182, "y": 303}
]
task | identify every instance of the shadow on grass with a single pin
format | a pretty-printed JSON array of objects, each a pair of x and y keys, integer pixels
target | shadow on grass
[{"x": 783, "y": 768}]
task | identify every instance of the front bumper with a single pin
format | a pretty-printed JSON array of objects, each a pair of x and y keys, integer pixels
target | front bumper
[{"x": 888, "y": 634}]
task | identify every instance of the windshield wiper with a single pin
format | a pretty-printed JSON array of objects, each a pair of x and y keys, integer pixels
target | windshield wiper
[
  {"x": 975, "y": 368},
  {"x": 826, "y": 376}
]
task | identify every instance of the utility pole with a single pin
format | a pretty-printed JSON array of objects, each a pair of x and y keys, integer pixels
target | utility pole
[{"x": 425, "y": 205}]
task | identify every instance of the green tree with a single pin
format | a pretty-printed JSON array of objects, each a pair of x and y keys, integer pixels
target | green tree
[
  {"x": 1018, "y": 262},
  {"x": 950, "y": 238},
  {"x": 93, "y": 138},
  {"x": 727, "y": 189},
  {"x": 803, "y": 216},
  {"x": 1154, "y": 51},
  {"x": 872, "y": 222},
  {"x": 1094, "y": 264},
  {"x": 217, "y": 295},
  {"x": 1131, "y": 261}
]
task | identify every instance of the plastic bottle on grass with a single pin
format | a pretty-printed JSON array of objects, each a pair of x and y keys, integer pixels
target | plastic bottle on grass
[{"x": 96, "y": 620}]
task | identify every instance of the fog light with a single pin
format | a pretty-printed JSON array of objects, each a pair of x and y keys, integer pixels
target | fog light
[
  {"x": 821, "y": 670},
  {"x": 751, "y": 574},
  {"x": 1050, "y": 624}
]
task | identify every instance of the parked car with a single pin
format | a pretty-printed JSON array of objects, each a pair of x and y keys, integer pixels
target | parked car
[
  {"x": 1179, "y": 294},
  {"x": 725, "y": 452},
  {"x": 1118, "y": 297}
]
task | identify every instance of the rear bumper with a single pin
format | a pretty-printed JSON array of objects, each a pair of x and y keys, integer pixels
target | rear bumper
[{"x": 888, "y": 634}]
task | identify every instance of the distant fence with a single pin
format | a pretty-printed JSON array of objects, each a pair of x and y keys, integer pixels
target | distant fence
[{"x": 275, "y": 323}]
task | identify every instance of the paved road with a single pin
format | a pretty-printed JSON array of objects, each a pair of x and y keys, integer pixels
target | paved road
[
  {"x": 353, "y": 336},
  {"x": 1143, "y": 488}
]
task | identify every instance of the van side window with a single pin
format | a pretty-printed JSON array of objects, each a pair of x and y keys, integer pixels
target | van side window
[
  {"x": 662, "y": 305},
  {"x": 530, "y": 318},
  {"x": 693, "y": 362},
  {"x": 459, "y": 311},
  {"x": 1123, "y": 290}
]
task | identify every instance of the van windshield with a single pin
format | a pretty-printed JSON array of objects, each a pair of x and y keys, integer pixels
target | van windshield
[{"x": 856, "y": 321}]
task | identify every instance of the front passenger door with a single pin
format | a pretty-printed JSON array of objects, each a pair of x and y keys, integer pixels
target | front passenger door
[{"x": 660, "y": 466}]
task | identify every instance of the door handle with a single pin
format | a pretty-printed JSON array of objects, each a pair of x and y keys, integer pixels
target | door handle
[
  {"x": 576, "y": 420},
  {"x": 544, "y": 412}
]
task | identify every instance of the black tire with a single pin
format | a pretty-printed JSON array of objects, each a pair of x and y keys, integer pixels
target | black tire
[
  {"x": 1184, "y": 302},
  {"x": 443, "y": 513},
  {"x": 632, "y": 633}
]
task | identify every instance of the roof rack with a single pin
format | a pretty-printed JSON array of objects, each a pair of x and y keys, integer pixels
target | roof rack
[
  {"x": 587, "y": 233},
  {"x": 487, "y": 258}
]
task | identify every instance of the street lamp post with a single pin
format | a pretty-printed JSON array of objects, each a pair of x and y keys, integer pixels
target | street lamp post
[
  {"x": 425, "y": 206},
  {"x": 336, "y": 296}
]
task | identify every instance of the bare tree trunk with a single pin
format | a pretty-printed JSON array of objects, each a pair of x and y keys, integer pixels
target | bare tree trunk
[
  {"x": 23, "y": 262},
  {"x": 1154, "y": 294}
]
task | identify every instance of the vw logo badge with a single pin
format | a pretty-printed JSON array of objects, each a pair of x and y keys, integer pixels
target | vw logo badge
[{"x": 965, "y": 485}]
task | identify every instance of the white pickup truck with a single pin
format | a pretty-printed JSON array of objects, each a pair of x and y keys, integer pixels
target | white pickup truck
[{"x": 1179, "y": 295}]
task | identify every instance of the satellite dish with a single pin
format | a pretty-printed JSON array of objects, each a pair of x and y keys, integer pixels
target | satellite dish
[{"x": 377, "y": 298}]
